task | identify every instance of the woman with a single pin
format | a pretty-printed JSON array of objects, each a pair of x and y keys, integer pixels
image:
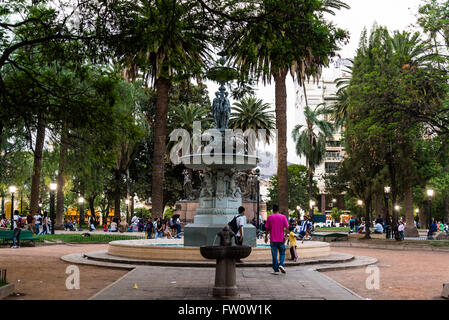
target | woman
[
  {"x": 159, "y": 229},
  {"x": 44, "y": 224},
  {"x": 114, "y": 226},
  {"x": 166, "y": 231},
  {"x": 3, "y": 221}
]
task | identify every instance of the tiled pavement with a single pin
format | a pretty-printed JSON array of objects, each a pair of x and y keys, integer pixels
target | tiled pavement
[{"x": 171, "y": 283}]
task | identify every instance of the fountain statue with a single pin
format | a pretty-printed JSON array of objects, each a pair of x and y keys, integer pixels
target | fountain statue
[{"x": 220, "y": 195}]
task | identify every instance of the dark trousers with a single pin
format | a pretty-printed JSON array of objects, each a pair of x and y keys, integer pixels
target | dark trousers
[
  {"x": 293, "y": 253},
  {"x": 238, "y": 242},
  {"x": 16, "y": 237}
]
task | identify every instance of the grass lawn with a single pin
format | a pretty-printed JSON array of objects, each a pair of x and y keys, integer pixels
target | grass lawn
[{"x": 98, "y": 238}]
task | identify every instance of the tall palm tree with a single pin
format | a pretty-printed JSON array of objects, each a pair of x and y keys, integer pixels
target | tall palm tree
[
  {"x": 311, "y": 139},
  {"x": 167, "y": 41},
  {"x": 411, "y": 53},
  {"x": 291, "y": 37},
  {"x": 253, "y": 113}
]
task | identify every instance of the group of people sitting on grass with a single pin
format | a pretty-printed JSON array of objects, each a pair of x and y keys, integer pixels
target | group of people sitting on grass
[{"x": 154, "y": 228}]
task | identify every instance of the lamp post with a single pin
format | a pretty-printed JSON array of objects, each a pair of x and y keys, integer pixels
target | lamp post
[
  {"x": 12, "y": 190},
  {"x": 430, "y": 193},
  {"x": 258, "y": 198},
  {"x": 81, "y": 204},
  {"x": 53, "y": 187},
  {"x": 360, "y": 204},
  {"x": 312, "y": 205},
  {"x": 297, "y": 211},
  {"x": 127, "y": 211}
]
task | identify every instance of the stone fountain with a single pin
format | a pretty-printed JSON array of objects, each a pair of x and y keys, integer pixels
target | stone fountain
[
  {"x": 220, "y": 163},
  {"x": 225, "y": 254}
]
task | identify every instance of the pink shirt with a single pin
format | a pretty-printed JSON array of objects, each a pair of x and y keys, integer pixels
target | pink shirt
[{"x": 276, "y": 223}]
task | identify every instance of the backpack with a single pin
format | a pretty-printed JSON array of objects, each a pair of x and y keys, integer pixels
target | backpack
[
  {"x": 233, "y": 224},
  {"x": 21, "y": 222}
]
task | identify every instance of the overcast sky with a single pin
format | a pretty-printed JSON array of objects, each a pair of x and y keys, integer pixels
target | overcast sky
[{"x": 393, "y": 14}]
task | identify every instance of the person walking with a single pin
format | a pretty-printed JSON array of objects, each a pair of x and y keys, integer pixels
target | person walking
[
  {"x": 277, "y": 228},
  {"x": 17, "y": 220},
  {"x": 44, "y": 224},
  {"x": 37, "y": 222},
  {"x": 240, "y": 221},
  {"x": 401, "y": 228}
]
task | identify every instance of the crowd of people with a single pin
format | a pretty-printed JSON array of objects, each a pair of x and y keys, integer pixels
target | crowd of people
[{"x": 153, "y": 228}]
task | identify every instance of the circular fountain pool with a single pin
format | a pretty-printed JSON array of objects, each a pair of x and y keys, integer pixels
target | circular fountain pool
[{"x": 176, "y": 251}]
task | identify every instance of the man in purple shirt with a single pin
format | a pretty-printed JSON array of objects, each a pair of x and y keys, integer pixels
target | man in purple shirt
[{"x": 277, "y": 227}]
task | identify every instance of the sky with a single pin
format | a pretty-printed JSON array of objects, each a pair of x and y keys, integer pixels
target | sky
[{"x": 393, "y": 14}]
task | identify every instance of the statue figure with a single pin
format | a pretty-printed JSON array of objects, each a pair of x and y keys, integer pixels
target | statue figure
[
  {"x": 207, "y": 186},
  {"x": 221, "y": 108},
  {"x": 226, "y": 237},
  {"x": 188, "y": 188},
  {"x": 250, "y": 188},
  {"x": 242, "y": 182},
  {"x": 233, "y": 189}
]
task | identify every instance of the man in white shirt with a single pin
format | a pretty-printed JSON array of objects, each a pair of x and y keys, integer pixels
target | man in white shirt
[
  {"x": 241, "y": 221},
  {"x": 37, "y": 222}
]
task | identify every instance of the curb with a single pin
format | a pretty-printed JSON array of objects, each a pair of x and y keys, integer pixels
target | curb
[
  {"x": 6, "y": 290},
  {"x": 388, "y": 247}
]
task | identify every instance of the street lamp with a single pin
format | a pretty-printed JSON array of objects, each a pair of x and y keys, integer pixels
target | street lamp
[
  {"x": 53, "y": 187},
  {"x": 81, "y": 203},
  {"x": 258, "y": 197},
  {"x": 127, "y": 211},
  {"x": 12, "y": 190},
  {"x": 430, "y": 194},
  {"x": 360, "y": 204},
  {"x": 297, "y": 210}
]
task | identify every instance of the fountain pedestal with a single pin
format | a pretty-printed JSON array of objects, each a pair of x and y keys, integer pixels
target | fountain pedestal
[{"x": 225, "y": 254}]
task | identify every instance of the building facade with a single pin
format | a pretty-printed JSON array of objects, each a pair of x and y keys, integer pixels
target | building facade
[{"x": 318, "y": 92}]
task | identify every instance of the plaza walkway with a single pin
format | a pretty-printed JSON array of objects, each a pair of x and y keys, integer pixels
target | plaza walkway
[{"x": 170, "y": 283}]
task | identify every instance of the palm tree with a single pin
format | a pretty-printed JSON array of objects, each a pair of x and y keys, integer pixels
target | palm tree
[
  {"x": 311, "y": 139},
  {"x": 410, "y": 53},
  {"x": 167, "y": 41},
  {"x": 253, "y": 113},
  {"x": 291, "y": 37}
]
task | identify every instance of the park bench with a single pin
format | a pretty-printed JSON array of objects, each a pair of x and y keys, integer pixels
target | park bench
[
  {"x": 329, "y": 236},
  {"x": 25, "y": 235}
]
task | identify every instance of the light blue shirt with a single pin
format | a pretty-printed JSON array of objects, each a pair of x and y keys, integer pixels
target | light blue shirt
[{"x": 379, "y": 228}]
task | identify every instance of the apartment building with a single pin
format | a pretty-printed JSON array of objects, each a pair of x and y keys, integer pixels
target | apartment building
[{"x": 324, "y": 91}]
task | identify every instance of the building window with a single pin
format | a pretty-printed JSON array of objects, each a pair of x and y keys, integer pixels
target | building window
[{"x": 331, "y": 167}]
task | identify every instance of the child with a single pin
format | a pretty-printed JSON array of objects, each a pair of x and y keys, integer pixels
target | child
[{"x": 292, "y": 241}]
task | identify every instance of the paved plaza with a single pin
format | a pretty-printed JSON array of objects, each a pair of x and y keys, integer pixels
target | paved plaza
[{"x": 170, "y": 283}]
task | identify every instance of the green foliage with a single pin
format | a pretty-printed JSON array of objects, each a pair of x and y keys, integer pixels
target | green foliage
[
  {"x": 297, "y": 188},
  {"x": 142, "y": 213},
  {"x": 253, "y": 113}
]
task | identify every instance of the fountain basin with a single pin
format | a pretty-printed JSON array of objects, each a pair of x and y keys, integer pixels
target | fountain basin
[
  {"x": 176, "y": 251},
  {"x": 221, "y": 252}
]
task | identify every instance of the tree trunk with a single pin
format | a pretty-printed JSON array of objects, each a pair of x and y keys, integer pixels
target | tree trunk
[
  {"x": 59, "y": 224},
  {"x": 378, "y": 208},
  {"x": 446, "y": 210},
  {"x": 281, "y": 126},
  {"x": 367, "y": 219},
  {"x": 117, "y": 194},
  {"x": 3, "y": 202},
  {"x": 410, "y": 228},
  {"x": 35, "y": 180},
  {"x": 92, "y": 209},
  {"x": 160, "y": 137}
]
